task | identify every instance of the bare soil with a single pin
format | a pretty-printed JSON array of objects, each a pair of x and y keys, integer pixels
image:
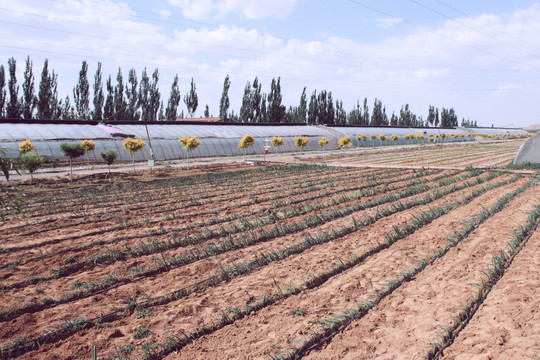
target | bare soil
[{"x": 249, "y": 262}]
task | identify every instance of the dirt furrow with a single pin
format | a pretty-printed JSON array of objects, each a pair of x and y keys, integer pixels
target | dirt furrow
[
  {"x": 507, "y": 324},
  {"x": 405, "y": 323}
]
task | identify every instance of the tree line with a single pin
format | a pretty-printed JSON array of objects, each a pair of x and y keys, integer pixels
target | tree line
[{"x": 136, "y": 100}]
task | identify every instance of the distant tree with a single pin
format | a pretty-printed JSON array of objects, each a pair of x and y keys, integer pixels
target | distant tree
[
  {"x": 174, "y": 100},
  {"x": 301, "y": 111},
  {"x": 28, "y": 99},
  {"x": 81, "y": 94},
  {"x": 377, "y": 117},
  {"x": 56, "y": 103},
  {"x": 276, "y": 111},
  {"x": 119, "y": 100},
  {"x": 149, "y": 96},
  {"x": 13, "y": 108},
  {"x": 431, "y": 115},
  {"x": 3, "y": 93},
  {"x": 341, "y": 114},
  {"x": 45, "y": 94},
  {"x": 322, "y": 107},
  {"x": 224, "y": 102},
  {"x": 366, "y": 113},
  {"x": 161, "y": 114},
  {"x": 108, "y": 108},
  {"x": 355, "y": 116},
  {"x": 132, "y": 105},
  {"x": 313, "y": 109},
  {"x": 256, "y": 99},
  {"x": 66, "y": 110},
  {"x": 436, "y": 117},
  {"x": 99, "y": 98},
  {"x": 394, "y": 119},
  {"x": 264, "y": 109},
  {"x": 191, "y": 99},
  {"x": 246, "y": 111},
  {"x": 155, "y": 96},
  {"x": 206, "y": 112}
]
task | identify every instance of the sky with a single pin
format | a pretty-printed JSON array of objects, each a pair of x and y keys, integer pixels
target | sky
[{"x": 480, "y": 57}]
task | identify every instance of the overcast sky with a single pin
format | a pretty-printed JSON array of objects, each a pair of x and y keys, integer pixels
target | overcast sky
[{"x": 480, "y": 57}]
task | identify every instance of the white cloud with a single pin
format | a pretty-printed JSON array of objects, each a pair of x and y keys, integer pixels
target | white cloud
[
  {"x": 388, "y": 22},
  {"x": 250, "y": 9}
]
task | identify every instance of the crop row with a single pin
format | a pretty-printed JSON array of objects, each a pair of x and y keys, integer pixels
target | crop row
[{"x": 333, "y": 235}]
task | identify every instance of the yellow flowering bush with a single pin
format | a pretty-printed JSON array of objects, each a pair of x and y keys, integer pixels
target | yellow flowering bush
[
  {"x": 344, "y": 141},
  {"x": 395, "y": 138},
  {"x": 26, "y": 146},
  {"x": 88, "y": 145},
  {"x": 361, "y": 137},
  {"x": 133, "y": 145},
  {"x": 324, "y": 141},
  {"x": 301, "y": 142},
  {"x": 184, "y": 140},
  {"x": 246, "y": 141},
  {"x": 277, "y": 141}
]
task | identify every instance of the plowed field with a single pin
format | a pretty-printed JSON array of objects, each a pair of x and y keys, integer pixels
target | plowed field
[{"x": 288, "y": 261}]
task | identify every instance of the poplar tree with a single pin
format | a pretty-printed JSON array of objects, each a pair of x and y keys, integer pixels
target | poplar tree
[
  {"x": 28, "y": 99},
  {"x": 81, "y": 94},
  {"x": 13, "y": 108},
  {"x": 119, "y": 100},
  {"x": 224, "y": 102},
  {"x": 149, "y": 96},
  {"x": 108, "y": 108},
  {"x": 3, "y": 93},
  {"x": 155, "y": 96},
  {"x": 276, "y": 111},
  {"x": 246, "y": 112},
  {"x": 301, "y": 111},
  {"x": 377, "y": 115},
  {"x": 66, "y": 110},
  {"x": 174, "y": 100},
  {"x": 191, "y": 100},
  {"x": 99, "y": 99},
  {"x": 256, "y": 99},
  {"x": 365, "y": 119},
  {"x": 313, "y": 111},
  {"x": 44, "y": 100},
  {"x": 131, "y": 111},
  {"x": 206, "y": 112},
  {"x": 56, "y": 105}
]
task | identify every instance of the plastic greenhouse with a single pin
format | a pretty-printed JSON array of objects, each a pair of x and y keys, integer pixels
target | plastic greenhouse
[{"x": 219, "y": 139}]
